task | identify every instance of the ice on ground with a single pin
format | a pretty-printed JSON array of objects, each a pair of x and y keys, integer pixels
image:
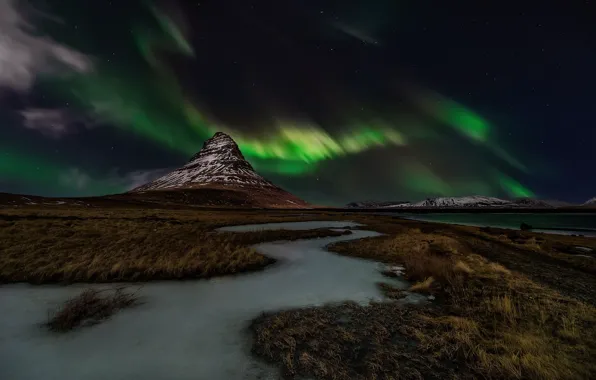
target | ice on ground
[
  {"x": 310, "y": 225},
  {"x": 397, "y": 270},
  {"x": 183, "y": 330}
]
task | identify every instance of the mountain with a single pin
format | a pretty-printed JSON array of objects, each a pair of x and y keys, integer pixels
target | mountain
[
  {"x": 556, "y": 203},
  {"x": 538, "y": 203},
  {"x": 591, "y": 202},
  {"x": 474, "y": 201},
  {"x": 218, "y": 175},
  {"x": 470, "y": 201},
  {"x": 373, "y": 204}
]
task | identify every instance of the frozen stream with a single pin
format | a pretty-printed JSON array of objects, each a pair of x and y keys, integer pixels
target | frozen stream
[{"x": 185, "y": 329}]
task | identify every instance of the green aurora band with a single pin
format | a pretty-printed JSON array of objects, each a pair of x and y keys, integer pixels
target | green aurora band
[
  {"x": 465, "y": 121},
  {"x": 54, "y": 177},
  {"x": 151, "y": 102}
]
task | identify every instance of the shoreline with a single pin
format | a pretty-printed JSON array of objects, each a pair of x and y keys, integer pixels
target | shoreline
[{"x": 547, "y": 230}]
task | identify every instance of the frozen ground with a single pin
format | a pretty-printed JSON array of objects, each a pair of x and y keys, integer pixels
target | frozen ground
[
  {"x": 289, "y": 226},
  {"x": 184, "y": 330}
]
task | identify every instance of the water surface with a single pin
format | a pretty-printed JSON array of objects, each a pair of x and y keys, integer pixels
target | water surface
[{"x": 563, "y": 223}]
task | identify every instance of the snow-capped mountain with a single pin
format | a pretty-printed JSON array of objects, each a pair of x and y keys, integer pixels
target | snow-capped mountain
[
  {"x": 470, "y": 201},
  {"x": 591, "y": 202},
  {"x": 475, "y": 201},
  {"x": 555, "y": 203},
  {"x": 538, "y": 203},
  {"x": 218, "y": 162},
  {"x": 373, "y": 204},
  {"x": 219, "y": 175}
]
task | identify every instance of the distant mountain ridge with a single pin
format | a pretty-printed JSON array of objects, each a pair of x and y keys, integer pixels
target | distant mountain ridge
[
  {"x": 474, "y": 201},
  {"x": 373, "y": 204}
]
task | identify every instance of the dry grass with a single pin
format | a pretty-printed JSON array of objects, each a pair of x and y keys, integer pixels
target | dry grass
[
  {"x": 345, "y": 341},
  {"x": 490, "y": 322},
  {"x": 129, "y": 245},
  {"x": 390, "y": 291},
  {"x": 423, "y": 286},
  {"x": 557, "y": 248},
  {"x": 424, "y": 255},
  {"x": 89, "y": 308},
  {"x": 462, "y": 267}
]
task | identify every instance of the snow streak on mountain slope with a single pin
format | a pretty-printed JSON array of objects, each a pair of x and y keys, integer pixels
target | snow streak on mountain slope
[{"x": 219, "y": 162}]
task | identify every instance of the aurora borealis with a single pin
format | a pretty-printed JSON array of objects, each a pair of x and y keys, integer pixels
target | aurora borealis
[{"x": 335, "y": 103}]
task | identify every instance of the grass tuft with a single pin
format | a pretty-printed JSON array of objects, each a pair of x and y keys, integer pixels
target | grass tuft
[
  {"x": 89, "y": 308},
  {"x": 462, "y": 267},
  {"x": 423, "y": 286}
]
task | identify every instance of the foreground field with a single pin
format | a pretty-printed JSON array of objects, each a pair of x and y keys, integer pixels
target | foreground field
[
  {"x": 507, "y": 305},
  {"x": 486, "y": 321}
]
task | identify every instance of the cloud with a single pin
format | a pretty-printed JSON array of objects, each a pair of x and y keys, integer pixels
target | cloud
[
  {"x": 80, "y": 182},
  {"x": 50, "y": 122},
  {"x": 76, "y": 179},
  {"x": 25, "y": 53},
  {"x": 55, "y": 122},
  {"x": 138, "y": 178}
]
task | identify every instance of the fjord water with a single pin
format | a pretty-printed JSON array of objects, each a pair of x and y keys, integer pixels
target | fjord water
[
  {"x": 184, "y": 330},
  {"x": 565, "y": 223}
]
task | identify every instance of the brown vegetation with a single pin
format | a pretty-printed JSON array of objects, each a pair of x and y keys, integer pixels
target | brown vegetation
[
  {"x": 508, "y": 307},
  {"x": 541, "y": 257},
  {"x": 89, "y": 308},
  {"x": 488, "y": 322},
  {"x": 131, "y": 245},
  {"x": 556, "y": 248}
]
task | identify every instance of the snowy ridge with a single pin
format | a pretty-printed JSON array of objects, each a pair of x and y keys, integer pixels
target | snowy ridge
[
  {"x": 475, "y": 201},
  {"x": 470, "y": 201},
  {"x": 373, "y": 204},
  {"x": 218, "y": 162},
  {"x": 591, "y": 202}
]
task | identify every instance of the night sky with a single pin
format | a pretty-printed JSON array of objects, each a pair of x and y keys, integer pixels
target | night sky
[{"x": 335, "y": 101}]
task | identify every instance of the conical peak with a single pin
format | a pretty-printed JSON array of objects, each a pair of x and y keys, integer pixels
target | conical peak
[
  {"x": 221, "y": 135},
  {"x": 219, "y": 139},
  {"x": 218, "y": 162},
  {"x": 221, "y": 167},
  {"x": 221, "y": 146}
]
